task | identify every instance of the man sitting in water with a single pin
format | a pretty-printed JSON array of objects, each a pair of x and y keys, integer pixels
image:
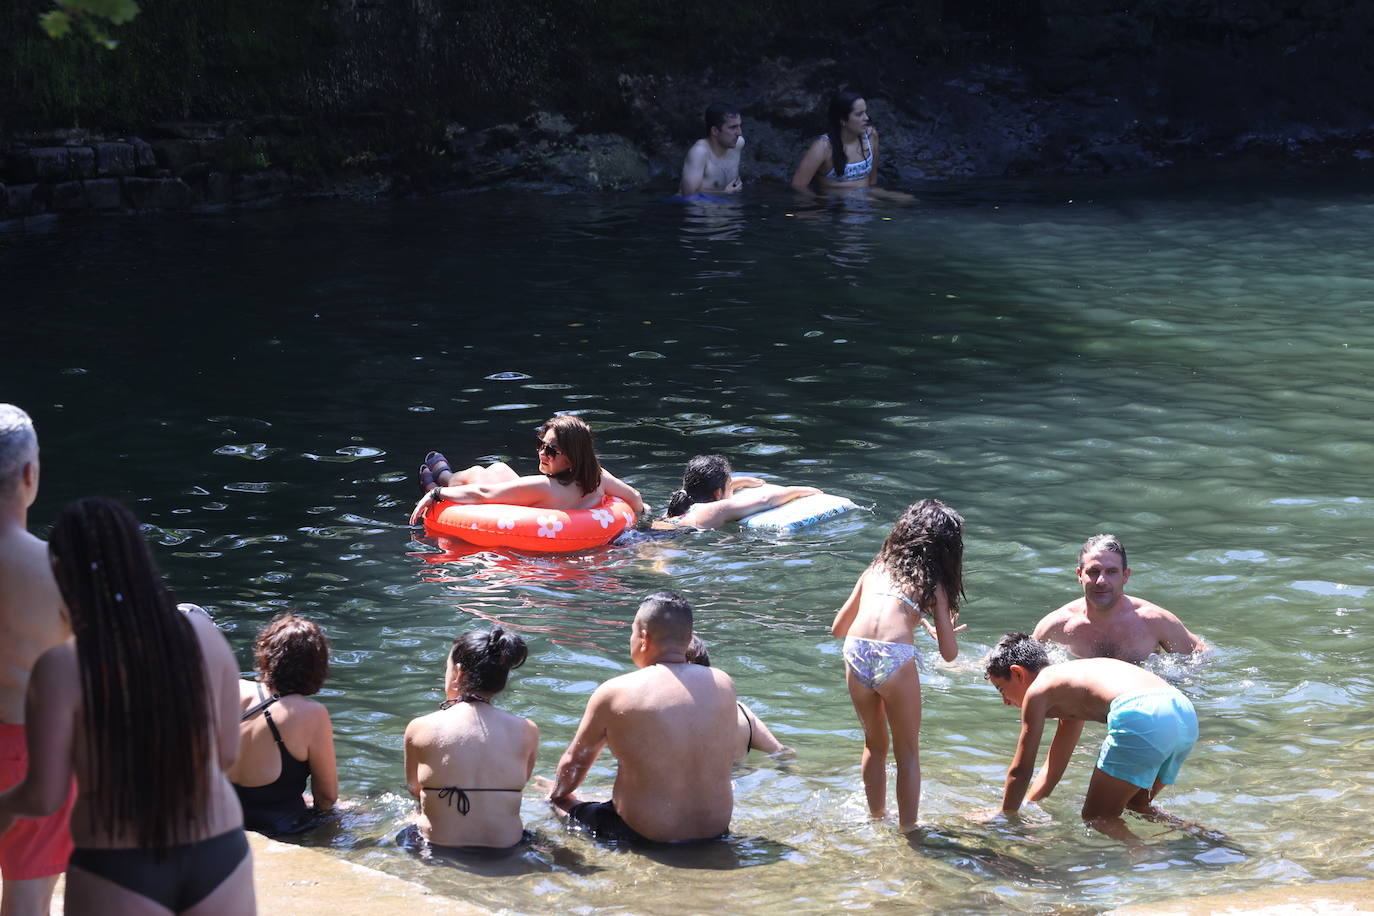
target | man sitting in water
[
  {"x": 1151, "y": 728},
  {"x": 712, "y": 163},
  {"x": 672, "y": 728},
  {"x": 1107, "y": 622}
]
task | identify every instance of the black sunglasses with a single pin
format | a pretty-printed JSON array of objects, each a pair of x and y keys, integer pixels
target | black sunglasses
[{"x": 548, "y": 451}]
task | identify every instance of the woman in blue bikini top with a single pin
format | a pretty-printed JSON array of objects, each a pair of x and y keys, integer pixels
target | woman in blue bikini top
[{"x": 846, "y": 156}]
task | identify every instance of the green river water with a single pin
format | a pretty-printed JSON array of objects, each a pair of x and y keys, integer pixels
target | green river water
[{"x": 1184, "y": 364}]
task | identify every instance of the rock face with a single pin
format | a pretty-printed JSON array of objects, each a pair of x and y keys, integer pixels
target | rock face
[{"x": 367, "y": 97}]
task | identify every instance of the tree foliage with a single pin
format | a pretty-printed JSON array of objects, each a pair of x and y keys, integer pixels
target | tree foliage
[{"x": 91, "y": 16}]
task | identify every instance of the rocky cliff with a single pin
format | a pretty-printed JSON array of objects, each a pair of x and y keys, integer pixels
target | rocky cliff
[{"x": 207, "y": 102}]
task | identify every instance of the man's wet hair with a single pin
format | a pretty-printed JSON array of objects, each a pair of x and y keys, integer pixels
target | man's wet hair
[
  {"x": 1015, "y": 649},
  {"x": 1103, "y": 542},
  {"x": 716, "y": 113},
  {"x": 18, "y": 442},
  {"x": 667, "y": 616}
]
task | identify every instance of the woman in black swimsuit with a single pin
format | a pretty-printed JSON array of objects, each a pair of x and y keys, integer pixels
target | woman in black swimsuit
[
  {"x": 140, "y": 705},
  {"x": 468, "y": 763},
  {"x": 285, "y": 738}
]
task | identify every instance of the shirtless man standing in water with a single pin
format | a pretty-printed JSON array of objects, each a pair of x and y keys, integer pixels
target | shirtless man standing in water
[
  {"x": 34, "y": 852},
  {"x": 1108, "y": 623},
  {"x": 712, "y": 164}
]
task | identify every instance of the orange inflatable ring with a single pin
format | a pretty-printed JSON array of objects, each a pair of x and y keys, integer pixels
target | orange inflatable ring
[{"x": 525, "y": 528}]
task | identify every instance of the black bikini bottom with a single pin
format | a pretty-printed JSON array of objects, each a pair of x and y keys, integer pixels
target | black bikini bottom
[{"x": 178, "y": 879}]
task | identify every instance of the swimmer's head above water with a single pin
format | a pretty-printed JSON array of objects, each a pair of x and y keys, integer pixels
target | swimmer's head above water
[
  {"x": 481, "y": 661},
  {"x": 705, "y": 480},
  {"x": 292, "y": 654},
  {"x": 567, "y": 452}
]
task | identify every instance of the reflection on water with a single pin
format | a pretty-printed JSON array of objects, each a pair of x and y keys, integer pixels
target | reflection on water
[{"x": 1181, "y": 366}]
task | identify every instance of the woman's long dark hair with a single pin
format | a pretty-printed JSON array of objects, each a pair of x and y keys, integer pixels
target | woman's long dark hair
[
  {"x": 144, "y": 691},
  {"x": 925, "y": 549},
  {"x": 841, "y": 104},
  {"x": 704, "y": 475}
]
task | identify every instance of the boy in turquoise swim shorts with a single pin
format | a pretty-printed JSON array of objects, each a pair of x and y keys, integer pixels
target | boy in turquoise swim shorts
[{"x": 1151, "y": 728}]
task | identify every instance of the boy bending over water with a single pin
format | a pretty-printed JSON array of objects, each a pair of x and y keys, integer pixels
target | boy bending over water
[{"x": 1151, "y": 728}]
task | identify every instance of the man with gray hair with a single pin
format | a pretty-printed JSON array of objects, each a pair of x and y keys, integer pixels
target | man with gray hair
[
  {"x": 1108, "y": 623},
  {"x": 33, "y": 852},
  {"x": 672, "y": 727}
]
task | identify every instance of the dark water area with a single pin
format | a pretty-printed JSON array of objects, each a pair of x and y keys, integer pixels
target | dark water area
[{"x": 1180, "y": 361}]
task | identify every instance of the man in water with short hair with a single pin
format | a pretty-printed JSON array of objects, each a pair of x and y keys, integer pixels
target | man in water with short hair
[
  {"x": 33, "y": 852},
  {"x": 1151, "y": 729},
  {"x": 712, "y": 163},
  {"x": 672, "y": 728},
  {"x": 1107, "y": 622}
]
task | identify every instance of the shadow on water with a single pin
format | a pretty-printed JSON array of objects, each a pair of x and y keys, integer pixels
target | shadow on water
[{"x": 725, "y": 854}]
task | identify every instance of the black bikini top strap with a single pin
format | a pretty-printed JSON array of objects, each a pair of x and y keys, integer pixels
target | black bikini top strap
[
  {"x": 458, "y": 798},
  {"x": 748, "y": 721},
  {"x": 261, "y": 708}
]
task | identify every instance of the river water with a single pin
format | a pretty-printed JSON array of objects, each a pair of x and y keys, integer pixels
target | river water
[{"x": 1179, "y": 363}]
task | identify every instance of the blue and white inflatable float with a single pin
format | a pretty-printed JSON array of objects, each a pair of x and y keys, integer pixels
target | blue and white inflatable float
[{"x": 798, "y": 514}]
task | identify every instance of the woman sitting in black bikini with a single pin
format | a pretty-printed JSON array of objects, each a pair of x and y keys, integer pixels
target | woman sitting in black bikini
[
  {"x": 284, "y": 737},
  {"x": 140, "y": 705},
  {"x": 468, "y": 763}
]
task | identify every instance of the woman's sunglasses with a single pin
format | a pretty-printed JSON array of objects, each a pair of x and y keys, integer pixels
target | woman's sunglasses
[{"x": 548, "y": 451}]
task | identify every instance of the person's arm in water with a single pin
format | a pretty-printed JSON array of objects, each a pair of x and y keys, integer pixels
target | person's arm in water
[
  {"x": 1057, "y": 760},
  {"x": 743, "y": 482},
  {"x": 617, "y": 487},
  {"x": 49, "y": 730},
  {"x": 739, "y": 505},
  {"x": 811, "y": 163},
  {"x": 1027, "y": 746},
  {"x": 946, "y": 626},
  {"x": 693, "y": 170},
  {"x": 324, "y": 769},
  {"x": 523, "y": 491},
  {"x": 1173, "y": 636},
  {"x": 412, "y": 756},
  {"x": 586, "y": 746},
  {"x": 844, "y": 618},
  {"x": 873, "y": 145},
  {"x": 761, "y": 738}
]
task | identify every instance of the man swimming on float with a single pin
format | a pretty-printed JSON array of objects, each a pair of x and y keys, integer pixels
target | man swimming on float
[{"x": 570, "y": 476}]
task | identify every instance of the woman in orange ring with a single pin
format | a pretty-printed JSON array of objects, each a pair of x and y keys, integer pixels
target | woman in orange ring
[{"x": 570, "y": 476}]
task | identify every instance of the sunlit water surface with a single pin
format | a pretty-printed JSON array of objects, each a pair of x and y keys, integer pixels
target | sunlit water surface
[{"x": 1182, "y": 365}]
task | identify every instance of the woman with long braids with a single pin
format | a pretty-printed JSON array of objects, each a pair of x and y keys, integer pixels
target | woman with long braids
[
  {"x": 468, "y": 763},
  {"x": 141, "y": 705},
  {"x": 917, "y": 577}
]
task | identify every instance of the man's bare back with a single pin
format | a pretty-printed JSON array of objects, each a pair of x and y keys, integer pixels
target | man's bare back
[
  {"x": 30, "y": 620},
  {"x": 672, "y": 728},
  {"x": 673, "y": 731}
]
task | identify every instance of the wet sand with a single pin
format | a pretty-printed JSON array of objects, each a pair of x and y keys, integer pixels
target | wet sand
[{"x": 310, "y": 882}]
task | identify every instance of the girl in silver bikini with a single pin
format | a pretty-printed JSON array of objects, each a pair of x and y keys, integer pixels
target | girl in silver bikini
[{"x": 917, "y": 576}]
